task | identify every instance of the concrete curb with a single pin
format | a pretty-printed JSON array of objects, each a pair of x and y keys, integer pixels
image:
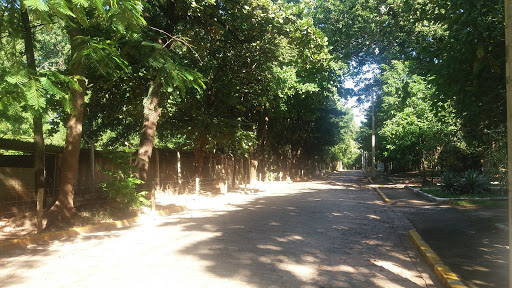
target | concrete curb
[
  {"x": 76, "y": 231},
  {"x": 384, "y": 197},
  {"x": 502, "y": 226},
  {"x": 368, "y": 177},
  {"x": 447, "y": 277},
  {"x": 442, "y": 200}
]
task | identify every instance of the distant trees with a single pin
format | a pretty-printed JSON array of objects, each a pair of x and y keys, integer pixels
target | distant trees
[{"x": 455, "y": 47}]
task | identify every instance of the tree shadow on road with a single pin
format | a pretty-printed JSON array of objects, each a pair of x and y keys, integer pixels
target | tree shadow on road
[
  {"x": 318, "y": 237},
  {"x": 312, "y": 234}
]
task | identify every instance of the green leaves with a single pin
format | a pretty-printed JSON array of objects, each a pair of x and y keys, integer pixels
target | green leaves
[
  {"x": 123, "y": 182},
  {"x": 101, "y": 55},
  {"x": 34, "y": 94},
  {"x": 407, "y": 122},
  {"x": 36, "y": 4}
]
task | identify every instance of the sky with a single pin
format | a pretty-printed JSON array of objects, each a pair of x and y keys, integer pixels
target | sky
[{"x": 357, "y": 109}]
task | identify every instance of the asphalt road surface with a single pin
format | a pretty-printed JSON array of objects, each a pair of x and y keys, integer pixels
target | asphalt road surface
[{"x": 330, "y": 233}]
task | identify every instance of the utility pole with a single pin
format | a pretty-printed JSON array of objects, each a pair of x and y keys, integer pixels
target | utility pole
[
  {"x": 508, "y": 47},
  {"x": 373, "y": 135},
  {"x": 362, "y": 159}
]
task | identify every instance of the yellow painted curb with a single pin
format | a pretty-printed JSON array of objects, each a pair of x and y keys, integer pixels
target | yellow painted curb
[
  {"x": 447, "y": 277},
  {"x": 75, "y": 231},
  {"x": 384, "y": 197}
]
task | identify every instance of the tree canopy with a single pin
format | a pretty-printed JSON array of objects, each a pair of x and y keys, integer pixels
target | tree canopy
[{"x": 256, "y": 79}]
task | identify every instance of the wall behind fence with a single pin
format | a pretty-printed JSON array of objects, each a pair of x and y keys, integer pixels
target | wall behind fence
[{"x": 17, "y": 189}]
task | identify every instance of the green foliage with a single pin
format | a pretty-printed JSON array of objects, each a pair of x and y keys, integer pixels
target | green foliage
[
  {"x": 496, "y": 165},
  {"x": 99, "y": 55},
  {"x": 449, "y": 182},
  {"x": 411, "y": 132},
  {"x": 469, "y": 182},
  {"x": 473, "y": 182},
  {"x": 123, "y": 182},
  {"x": 457, "y": 47}
]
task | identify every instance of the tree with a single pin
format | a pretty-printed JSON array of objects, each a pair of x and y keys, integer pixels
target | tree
[
  {"x": 411, "y": 127},
  {"x": 74, "y": 16}
]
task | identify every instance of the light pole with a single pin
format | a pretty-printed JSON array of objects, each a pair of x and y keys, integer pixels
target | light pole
[{"x": 373, "y": 135}]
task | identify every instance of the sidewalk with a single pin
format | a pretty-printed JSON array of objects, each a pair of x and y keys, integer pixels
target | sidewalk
[{"x": 467, "y": 240}]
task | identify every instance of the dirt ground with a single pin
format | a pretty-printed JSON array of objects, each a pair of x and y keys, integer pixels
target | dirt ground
[
  {"x": 92, "y": 213},
  {"x": 107, "y": 210}
]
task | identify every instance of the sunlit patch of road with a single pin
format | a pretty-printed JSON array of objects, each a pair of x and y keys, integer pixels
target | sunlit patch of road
[{"x": 310, "y": 234}]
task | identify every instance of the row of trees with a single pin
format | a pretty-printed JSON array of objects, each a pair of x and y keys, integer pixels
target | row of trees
[
  {"x": 249, "y": 78},
  {"x": 439, "y": 78}
]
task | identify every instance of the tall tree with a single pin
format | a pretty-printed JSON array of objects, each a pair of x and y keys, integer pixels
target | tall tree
[
  {"x": 74, "y": 15},
  {"x": 39, "y": 151}
]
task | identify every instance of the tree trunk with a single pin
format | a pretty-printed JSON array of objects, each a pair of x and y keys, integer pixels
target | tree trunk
[
  {"x": 200, "y": 153},
  {"x": 39, "y": 175},
  {"x": 234, "y": 178},
  {"x": 424, "y": 169},
  {"x": 63, "y": 211},
  {"x": 39, "y": 150},
  {"x": 508, "y": 43},
  {"x": 262, "y": 149},
  {"x": 253, "y": 167},
  {"x": 147, "y": 139}
]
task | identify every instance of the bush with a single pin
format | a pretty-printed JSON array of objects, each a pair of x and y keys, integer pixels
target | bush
[
  {"x": 449, "y": 182},
  {"x": 123, "y": 180},
  {"x": 473, "y": 182}
]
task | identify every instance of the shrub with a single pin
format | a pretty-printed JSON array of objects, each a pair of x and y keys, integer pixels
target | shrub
[
  {"x": 449, "y": 182},
  {"x": 473, "y": 182},
  {"x": 123, "y": 181}
]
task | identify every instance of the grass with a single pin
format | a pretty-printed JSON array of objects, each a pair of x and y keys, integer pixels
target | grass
[
  {"x": 470, "y": 203},
  {"x": 438, "y": 192},
  {"x": 480, "y": 203}
]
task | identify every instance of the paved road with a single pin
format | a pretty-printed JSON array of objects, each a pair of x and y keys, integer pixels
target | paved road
[
  {"x": 466, "y": 240},
  {"x": 332, "y": 233}
]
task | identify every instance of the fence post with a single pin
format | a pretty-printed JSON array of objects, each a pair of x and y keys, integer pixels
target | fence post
[
  {"x": 197, "y": 186},
  {"x": 246, "y": 179},
  {"x": 157, "y": 156},
  {"x": 153, "y": 200},
  {"x": 40, "y": 199}
]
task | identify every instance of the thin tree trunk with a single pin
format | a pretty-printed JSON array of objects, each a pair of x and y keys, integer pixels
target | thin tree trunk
[
  {"x": 178, "y": 166},
  {"x": 199, "y": 153},
  {"x": 39, "y": 175},
  {"x": 508, "y": 43},
  {"x": 37, "y": 119},
  {"x": 63, "y": 211},
  {"x": 147, "y": 139},
  {"x": 234, "y": 172},
  {"x": 424, "y": 168},
  {"x": 253, "y": 167},
  {"x": 263, "y": 150}
]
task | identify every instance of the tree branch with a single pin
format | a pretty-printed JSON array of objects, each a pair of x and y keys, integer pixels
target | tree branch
[{"x": 179, "y": 40}]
